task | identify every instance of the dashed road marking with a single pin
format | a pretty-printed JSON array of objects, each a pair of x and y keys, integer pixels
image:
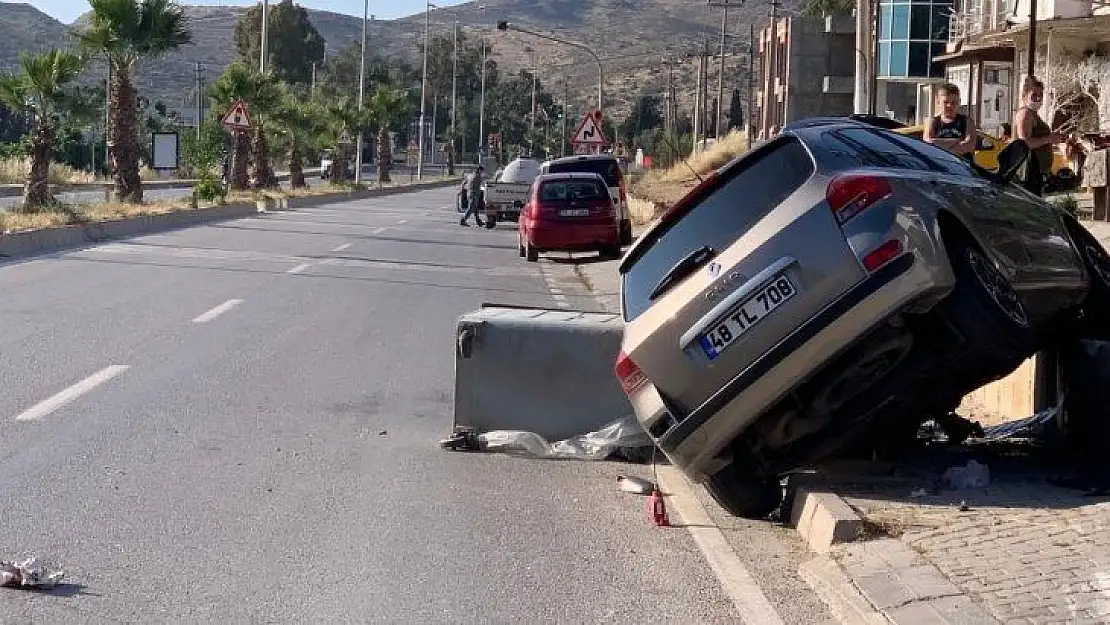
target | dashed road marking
[
  {"x": 340, "y": 248},
  {"x": 299, "y": 268},
  {"x": 217, "y": 311},
  {"x": 378, "y": 231},
  {"x": 68, "y": 395}
]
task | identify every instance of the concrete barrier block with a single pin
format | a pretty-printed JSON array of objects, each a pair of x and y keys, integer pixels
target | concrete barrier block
[
  {"x": 543, "y": 371},
  {"x": 823, "y": 519}
]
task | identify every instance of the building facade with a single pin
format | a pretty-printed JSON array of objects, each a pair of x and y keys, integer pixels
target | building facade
[
  {"x": 806, "y": 69},
  {"x": 988, "y": 51},
  {"x": 912, "y": 33}
]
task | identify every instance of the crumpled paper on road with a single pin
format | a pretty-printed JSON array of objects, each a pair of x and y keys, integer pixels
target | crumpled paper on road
[
  {"x": 31, "y": 573},
  {"x": 624, "y": 436}
]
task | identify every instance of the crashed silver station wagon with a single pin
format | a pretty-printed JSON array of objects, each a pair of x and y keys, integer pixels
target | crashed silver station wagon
[{"x": 837, "y": 280}]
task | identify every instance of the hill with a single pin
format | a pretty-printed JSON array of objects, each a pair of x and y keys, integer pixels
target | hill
[{"x": 631, "y": 36}]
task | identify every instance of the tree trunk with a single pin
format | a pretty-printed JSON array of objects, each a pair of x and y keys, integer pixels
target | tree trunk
[
  {"x": 451, "y": 157},
  {"x": 123, "y": 140},
  {"x": 296, "y": 167},
  {"x": 339, "y": 164},
  {"x": 36, "y": 193},
  {"x": 385, "y": 155},
  {"x": 263, "y": 175},
  {"x": 240, "y": 158}
]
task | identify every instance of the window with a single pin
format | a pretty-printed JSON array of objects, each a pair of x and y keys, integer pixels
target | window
[
  {"x": 940, "y": 21},
  {"x": 884, "y": 59},
  {"x": 756, "y": 186},
  {"x": 919, "y": 59},
  {"x": 900, "y": 25},
  {"x": 919, "y": 22},
  {"x": 899, "y": 53},
  {"x": 936, "y": 158},
  {"x": 607, "y": 167},
  {"x": 861, "y": 147},
  {"x": 572, "y": 190},
  {"x": 884, "y": 21}
]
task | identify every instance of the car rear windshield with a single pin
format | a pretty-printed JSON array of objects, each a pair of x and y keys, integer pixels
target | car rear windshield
[
  {"x": 557, "y": 191},
  {"x": 607, "y": 167},
  {"x": 753, "y": 188}
]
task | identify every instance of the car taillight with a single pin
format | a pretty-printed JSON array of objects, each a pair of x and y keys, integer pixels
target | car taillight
[
  {"x": 852, "y": 194},
  {"x": 629, "y": 374}
]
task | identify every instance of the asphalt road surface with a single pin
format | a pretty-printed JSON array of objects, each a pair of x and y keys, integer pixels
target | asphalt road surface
[{"x": 238, "y": 422}]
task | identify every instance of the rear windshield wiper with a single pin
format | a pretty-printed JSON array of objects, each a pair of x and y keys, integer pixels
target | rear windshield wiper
[{"x": 683, "y": 268}]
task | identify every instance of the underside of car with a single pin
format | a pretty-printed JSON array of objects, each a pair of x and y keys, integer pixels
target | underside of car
[{"x": 914, "y": 366}]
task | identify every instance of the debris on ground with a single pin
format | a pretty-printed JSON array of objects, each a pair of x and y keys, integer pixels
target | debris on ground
[
  {"x": 638, "y": 486},
  {"x": 973, "y": 475},
  {"x": 1036, "y": 426},
  {"x": 31, "y": 573},
  {"x": 624, "y": 437}
]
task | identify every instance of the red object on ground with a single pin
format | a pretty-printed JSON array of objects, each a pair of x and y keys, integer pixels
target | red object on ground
[{"x": 657, "y": 509}]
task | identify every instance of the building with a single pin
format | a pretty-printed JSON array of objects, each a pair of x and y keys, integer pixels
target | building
[
  {"x": 812, "y": 72},
  {"x": 988, "y": 50},
  {"x": 912, "y": 33}
]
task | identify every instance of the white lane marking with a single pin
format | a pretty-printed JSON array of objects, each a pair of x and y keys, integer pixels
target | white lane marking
[
  {"x": 736, "y": 581},
  {"x": 378, "y": 230},
  {"x": 403, "y": 221},
  {"x": 340, "y": 248},
  {"x": 563, "y": 304},
  {"x": 559, "y": 297},
  {"x": 217, "y": 311},
  {"x": 299, "y": 268},
  {"x": 47, "y": 406}
]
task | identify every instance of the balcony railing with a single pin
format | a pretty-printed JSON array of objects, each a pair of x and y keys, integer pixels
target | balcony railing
[{"x": 979, "y": 18}]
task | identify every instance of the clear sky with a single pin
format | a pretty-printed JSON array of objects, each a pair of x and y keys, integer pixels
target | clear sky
[{"x": 69, "y": 10}]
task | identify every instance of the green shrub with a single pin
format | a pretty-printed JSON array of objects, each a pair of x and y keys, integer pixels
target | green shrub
[
  {"x": 208, "y": 187},
  {"x": 1069, "y": 204}
]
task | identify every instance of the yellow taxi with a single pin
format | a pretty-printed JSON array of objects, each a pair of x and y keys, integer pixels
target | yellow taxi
[{"x": 988, "y": 147}]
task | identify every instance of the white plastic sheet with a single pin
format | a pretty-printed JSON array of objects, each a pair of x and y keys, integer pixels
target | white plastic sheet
[
  {"x": 622, "y": 434},
  {"x": 31, "y": 573}
]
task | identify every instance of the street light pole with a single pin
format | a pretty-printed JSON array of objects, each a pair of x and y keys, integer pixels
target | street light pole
[
  {"x": 454, "y": 84},
  {"x": 265, "y": 35},
  {"x": 361, "y": 92},
  {"x": 503, "y": 26},
  {"x": 423, "y": 92},
  {"x": 482, "y": 102},
  {"x": 721, "y": 76}
]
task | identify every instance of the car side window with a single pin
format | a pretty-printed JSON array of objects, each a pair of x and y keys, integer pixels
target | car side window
[
  {"x": 937, "y": 158},
  {"x": 864, "y": 148}
]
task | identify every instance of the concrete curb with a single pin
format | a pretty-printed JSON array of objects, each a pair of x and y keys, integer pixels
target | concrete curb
[
  {"x": 22, "y": 244},
  {"x": 16, "y": 190},
  {"x": 873, "y": 581}
]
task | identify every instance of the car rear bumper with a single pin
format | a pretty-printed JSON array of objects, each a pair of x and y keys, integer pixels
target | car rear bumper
[
  {"x": 577, "y": 237},
  {"x": 693, "y": 442}
]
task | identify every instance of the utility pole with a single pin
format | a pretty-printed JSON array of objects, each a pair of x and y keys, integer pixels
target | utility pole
[
  {"x": 770, "y": 108},
  {"x": 454, "y": 84},
  {"x": 423, "y": 91},
  {"x": 566, "y": 113},
  {"x": 265, "y": 36},
  {"x": 721, "y": 75},
  {"x": 361, "y": 93},
  {"x": 532, "y": 127},
  {"x": 704, "y": 111},
  {"x": 108, "y": 120},
  {"x": 200, "y": 98},
  {"x": 697, "y": 102},
  {"x": 751, "y": 73}
]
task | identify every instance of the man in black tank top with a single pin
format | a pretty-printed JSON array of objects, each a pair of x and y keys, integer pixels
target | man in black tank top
[{"x": 951, "y": 130}]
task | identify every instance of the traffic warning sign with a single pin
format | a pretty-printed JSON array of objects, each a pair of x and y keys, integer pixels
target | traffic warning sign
[
  {"x": 589, "y": 131},
  {"x": 237, "y": 118}
]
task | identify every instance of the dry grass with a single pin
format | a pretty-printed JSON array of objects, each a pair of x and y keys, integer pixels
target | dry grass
[
  {"x": 14, "y": 171},
  {"x": 657, "y": 189},
  {"x": 63, "y": 215}
]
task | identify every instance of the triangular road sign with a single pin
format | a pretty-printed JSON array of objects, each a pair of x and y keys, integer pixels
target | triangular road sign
[
  {"x": 237, "y": 118},
  {"x": 589, "y": 132}
]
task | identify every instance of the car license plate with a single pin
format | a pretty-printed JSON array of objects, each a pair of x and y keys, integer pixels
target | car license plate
[
  {"x": 751, "y": 312},
  {"x": 574, "y": 212}
]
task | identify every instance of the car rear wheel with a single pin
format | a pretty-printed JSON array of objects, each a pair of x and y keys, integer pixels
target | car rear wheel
[
  {"x": 742, "y": 491},
  {"x": 985, "y": 307},
  {"x": 491, "y": 221},
  {"x": 520, "y": 246},
  {"x": 531, "y": 253}
]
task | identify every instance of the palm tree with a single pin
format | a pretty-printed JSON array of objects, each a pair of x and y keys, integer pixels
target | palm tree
[
  {"x": 42, "y": 91},
  {"x": 262, "y": 95},
  {"x": 125, "y": 31},
  {"x": 345, "y": 121},
  {"x": 300, "y": 122},
  {"x": 387, "y": 106}
]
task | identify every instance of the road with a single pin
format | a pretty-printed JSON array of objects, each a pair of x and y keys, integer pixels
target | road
[{"x": 238, "y": 422}]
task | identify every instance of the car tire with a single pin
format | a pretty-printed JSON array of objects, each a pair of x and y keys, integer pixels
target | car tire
[
  {"x": 1096, "y": 260},
  {"x": 744, "y": 492},
  {"x": 530, "y": 253},
  {"x": 610, "y": 252},
  {"x": 520, "y": 246},
  {"x": 491, "y": 222},
  {"x": 986, "y": 308},
  {"x": 626, "y": 232}
]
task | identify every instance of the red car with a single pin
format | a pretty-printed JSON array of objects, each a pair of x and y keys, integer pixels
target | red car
[{"x": 570, "y": 212}]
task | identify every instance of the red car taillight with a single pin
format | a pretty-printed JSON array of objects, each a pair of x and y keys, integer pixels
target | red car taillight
[
  {"x": 852, "y": 194},
  {"x": 629, "y": 374}
]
